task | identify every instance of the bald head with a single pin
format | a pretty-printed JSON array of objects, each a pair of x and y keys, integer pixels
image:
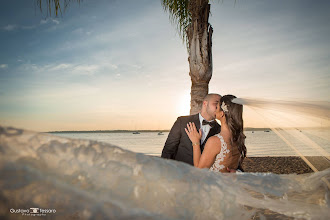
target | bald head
[
  {"x": 210, "y": 96},
  {"x": 209, "y": 107}
]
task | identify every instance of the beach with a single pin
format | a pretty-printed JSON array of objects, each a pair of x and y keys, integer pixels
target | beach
[{"x": 284, "y": 165}]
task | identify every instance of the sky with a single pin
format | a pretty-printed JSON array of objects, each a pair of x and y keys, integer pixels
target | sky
[{"x": 107, "y": 65}]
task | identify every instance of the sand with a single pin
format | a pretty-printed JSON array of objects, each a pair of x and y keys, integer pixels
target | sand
[{"x": 284, "y": 165}]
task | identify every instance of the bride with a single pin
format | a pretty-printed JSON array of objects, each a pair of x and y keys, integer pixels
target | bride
[{"x": 224, "y": 151}]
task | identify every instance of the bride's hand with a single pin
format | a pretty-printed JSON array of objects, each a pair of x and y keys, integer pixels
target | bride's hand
[{"x": 194, "y": 135}]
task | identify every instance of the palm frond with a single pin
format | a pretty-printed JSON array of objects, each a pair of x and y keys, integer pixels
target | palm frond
[
  {"x": 179, "y": 15},
  {"x": 53, "y": 4}
]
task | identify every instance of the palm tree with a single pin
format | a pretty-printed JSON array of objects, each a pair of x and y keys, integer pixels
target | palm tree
[{"x": 191, "y": 17}]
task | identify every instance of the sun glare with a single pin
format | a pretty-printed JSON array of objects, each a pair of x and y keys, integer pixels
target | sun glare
[{"x": 183, "y": 104}]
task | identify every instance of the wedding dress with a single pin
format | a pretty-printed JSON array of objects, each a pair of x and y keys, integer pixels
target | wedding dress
[{"x": 228, "y": 157}]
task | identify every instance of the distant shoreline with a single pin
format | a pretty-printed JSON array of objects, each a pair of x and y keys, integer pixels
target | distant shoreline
[
  {"x": 107, "y": 131},
  {"x": 130, "y": 131}
]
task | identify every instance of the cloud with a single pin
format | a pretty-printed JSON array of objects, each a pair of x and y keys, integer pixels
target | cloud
[
  {"x": 61, "y": 66},
  {"x": 29, "y": 27},
  {"x": 10, "y": 27},
  {"x": 3, "y": 66},
  {"x": 81, "y": 31},
  {"x": 78, "y": 31},
  {"x": 45, "y": 21},
  {"x": 85, "y": 69},
  {"x": 112, "y": 66},
  {"x": 75, "y": 69},
  {"x": 55, "y": 21}
]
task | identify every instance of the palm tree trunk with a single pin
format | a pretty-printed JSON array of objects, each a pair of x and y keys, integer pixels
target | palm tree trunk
[{"x": 199, "y": 34}]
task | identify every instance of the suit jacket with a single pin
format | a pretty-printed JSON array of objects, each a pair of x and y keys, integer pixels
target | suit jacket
[{"x": 178, "y": 145}]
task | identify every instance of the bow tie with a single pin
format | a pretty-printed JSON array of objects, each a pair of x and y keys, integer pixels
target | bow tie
[{"x": 211, "y": 123}]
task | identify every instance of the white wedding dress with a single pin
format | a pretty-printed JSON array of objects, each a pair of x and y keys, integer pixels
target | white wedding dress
[{"x": 228, "y": 157}]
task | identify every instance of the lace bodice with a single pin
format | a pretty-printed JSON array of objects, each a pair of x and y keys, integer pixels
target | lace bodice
[{"x": 218, "y": 163}]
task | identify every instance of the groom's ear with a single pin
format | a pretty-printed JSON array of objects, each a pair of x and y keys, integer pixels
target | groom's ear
[{"x": 204, "y": 103}]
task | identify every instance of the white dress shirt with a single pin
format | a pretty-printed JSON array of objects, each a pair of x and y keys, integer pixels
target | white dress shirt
[{"x": 205, "y": 128}]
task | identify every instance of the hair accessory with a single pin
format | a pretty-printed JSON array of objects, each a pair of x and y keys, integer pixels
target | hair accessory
[{"x": 224, "y": 107}]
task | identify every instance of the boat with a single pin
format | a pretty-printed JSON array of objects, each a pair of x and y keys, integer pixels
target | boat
[
  {"x": 160, "y": 133},
  {"x": 136, "y": 132}
]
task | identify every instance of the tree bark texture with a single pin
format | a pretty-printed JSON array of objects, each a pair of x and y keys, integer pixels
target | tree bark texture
[{"x": 199, "y": 34}]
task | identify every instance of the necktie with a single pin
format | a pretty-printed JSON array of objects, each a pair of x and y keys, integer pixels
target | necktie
[{"x": 211, "y": 123}]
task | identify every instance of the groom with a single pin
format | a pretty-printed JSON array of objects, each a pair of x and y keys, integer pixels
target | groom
[{"x": 178, "y": 145}]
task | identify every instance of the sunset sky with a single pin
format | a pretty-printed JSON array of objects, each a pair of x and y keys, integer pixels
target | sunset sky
[{"x": 107, "y": 65}]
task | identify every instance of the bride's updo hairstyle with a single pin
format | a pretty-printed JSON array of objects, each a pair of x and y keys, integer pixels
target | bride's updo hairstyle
[{"x": 234, "y": 117}]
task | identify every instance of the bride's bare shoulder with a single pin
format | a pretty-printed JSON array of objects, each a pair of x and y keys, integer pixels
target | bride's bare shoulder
[{"x": 214, "y": 140}]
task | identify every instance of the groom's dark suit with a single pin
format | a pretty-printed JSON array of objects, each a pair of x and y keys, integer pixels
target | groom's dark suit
[{"x": 178, "y": 145}]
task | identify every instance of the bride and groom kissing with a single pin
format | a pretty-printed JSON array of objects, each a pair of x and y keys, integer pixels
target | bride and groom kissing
[{"x": 200, "y": 141}]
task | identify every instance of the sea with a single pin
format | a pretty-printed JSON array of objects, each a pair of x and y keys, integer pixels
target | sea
[{"x": 259, "y": 142}]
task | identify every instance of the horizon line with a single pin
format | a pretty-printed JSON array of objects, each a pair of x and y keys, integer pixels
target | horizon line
[{"x": 167, "y": 130}]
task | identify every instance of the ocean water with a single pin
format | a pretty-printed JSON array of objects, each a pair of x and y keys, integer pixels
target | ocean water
[
  {"x": 83, "y": 179},
  {"x": 309, "y": 142}
]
